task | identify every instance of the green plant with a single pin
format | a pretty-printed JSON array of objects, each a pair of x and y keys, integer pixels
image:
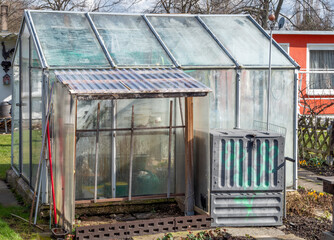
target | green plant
[
  {"x": 327, "y": 215},
  {"x": 167, "y": 236},
  {"x": 316, "y": 162}
]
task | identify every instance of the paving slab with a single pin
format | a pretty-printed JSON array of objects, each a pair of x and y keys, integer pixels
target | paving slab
[
  {"x": 309, "y": 180},
  {"x": 7, "y": 198}
]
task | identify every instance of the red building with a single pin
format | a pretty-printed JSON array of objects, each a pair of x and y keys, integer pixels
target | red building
[{"x": 314, "y": 52}]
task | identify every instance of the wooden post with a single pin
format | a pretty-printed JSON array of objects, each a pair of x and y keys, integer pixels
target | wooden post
[{"x": 189, "y": 178}]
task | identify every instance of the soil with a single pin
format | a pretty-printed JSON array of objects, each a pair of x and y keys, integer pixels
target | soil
[
  {"x": 307, "y": 227},
  {"x": 303, "y": 218},
  {"x": 172, "y": 211},
  {"x": 323, "y": 170}
]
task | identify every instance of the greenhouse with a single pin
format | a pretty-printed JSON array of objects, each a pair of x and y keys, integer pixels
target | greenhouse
[{"x": 125, "y": 96}]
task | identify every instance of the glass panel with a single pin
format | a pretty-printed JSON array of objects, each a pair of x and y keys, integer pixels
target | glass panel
[
  {"x": 146, "y": 114},
  {"x": 244, "y": 41},
  {"x": 253, "y": 98},
  {"x": 130, "y": 41},
  {"x": 202, "y": 150},
  {"x": 222, "y": 97},
  {"x": 85, "y": 165},
  {"x": 150, "y": 148},
  {"x": 68, "y": 40},
  {"x": 36, "y": 119},
  {"x": 254, "y": 105},
  {"x": 282, "y": 110},
  {"x": 321, "y": 60},
  {"x": 87, "y": 114},
  {"x": 85, "y": 162},
  {"x": 179, "y": 146},
  {"x": 25, "y": 104},
  {"x": 189, "y": 42},
  {"x": 150, "y": 163},
  {"x": 34, "y": 57},
  {"x": 15, "y": 111}
]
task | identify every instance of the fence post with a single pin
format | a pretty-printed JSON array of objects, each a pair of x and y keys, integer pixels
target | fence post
[{"x": 330, "y": 132}]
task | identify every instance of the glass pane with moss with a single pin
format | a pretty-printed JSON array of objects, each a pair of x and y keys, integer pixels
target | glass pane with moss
[{"x": 68, "y": 40}]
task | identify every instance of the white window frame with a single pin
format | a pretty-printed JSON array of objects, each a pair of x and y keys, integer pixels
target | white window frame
[
  {"x": 317, "y": 46},
  {"x": 285, "y": 45}
]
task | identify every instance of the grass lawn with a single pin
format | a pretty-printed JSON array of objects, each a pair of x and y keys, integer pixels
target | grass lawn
[
  {"x": 5, "y": 146},
  {"x": 12, "y": 227}
]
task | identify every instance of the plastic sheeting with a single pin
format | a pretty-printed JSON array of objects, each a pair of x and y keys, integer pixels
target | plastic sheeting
[
  {"x": 63, "y": 155},
  {"x": 130, "y": 81}
]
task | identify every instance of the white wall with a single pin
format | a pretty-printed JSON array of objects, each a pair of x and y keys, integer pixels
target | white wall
[{"x": 6, "y": 90}]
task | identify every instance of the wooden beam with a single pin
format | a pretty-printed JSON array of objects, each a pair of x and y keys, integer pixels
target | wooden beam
[{"x": 189, "y": 138}]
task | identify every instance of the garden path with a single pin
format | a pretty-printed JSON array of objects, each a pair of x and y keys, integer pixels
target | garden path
[
  {"x": 7, "y": 198},
  {"x": 309, "y": 180}
]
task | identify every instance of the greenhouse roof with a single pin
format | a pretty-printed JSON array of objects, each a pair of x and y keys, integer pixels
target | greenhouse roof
[
  {"x": 107, "y": 40},
  {"x": 130, "y": 83}
]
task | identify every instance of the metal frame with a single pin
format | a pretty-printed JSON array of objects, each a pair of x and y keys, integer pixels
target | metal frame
[
  {"x": 30, "y": 115},
  {"x": 296, "y": 65},
  {"x": 169, "y": 146},
  {"x": 17, "y": 46},
  {"x": 217, "y": 41},
  {"x": 31, "y": 27},
  {"x": 113, "y": 150},
  {"x": 295, "y": 132},
  {"x": 162, "y": 43},
  {"x": 113, "y": 164},
  {"x": 18, "y": 40},
  {"x": 99, "y": 38},
  {"x": 237, "y": 98},
  {"x": 128, "y": 129},
  {"x": 137, "y": 95},
  {"x": 43, "y": 61},
  {"x": 97, "y": 149},
  {"x": 20, "y": 109}
]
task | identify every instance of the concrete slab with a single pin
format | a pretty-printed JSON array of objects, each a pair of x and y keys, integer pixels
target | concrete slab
[
  {"x": 309, "y": 180},
  {"x": 327, "y": 236},
  {"x": 7, "y": 198}
]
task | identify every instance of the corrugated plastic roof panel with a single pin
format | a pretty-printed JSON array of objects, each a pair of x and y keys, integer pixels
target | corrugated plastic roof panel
[{"x": 131, "y": 83}]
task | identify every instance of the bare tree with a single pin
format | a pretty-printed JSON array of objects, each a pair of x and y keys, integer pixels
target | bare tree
[
  {"x": 311, "y": 15},
  {"x": 15, "y": 12},
  {"x": 78, "y": 5},
  {"x": 259, "y": 9},
  {"x": 304, "y": 14},
  {"x": 62, "y": 5}
]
